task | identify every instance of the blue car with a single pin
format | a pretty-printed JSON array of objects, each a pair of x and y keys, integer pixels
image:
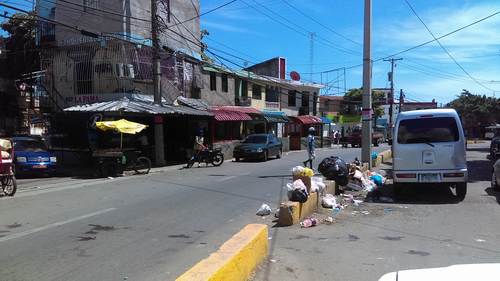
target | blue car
[{"x": 31, "y": 156}]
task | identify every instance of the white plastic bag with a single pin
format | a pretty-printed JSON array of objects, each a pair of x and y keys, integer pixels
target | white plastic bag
[
  {"x": 328, "y": 201},
  {"x": 264, "y": 210},
  {"x": 317, "y": 184},
  {"x": 297, "y": 170},
  {"x": 298, "y": 184}
]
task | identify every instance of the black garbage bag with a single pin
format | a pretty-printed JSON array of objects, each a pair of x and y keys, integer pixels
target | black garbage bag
[{"x": 334, "y": 168}]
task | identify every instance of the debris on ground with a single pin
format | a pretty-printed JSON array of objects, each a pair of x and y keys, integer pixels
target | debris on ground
[
  {"x": 264, "y": 210},
  {"x": 308, "y": 222}
]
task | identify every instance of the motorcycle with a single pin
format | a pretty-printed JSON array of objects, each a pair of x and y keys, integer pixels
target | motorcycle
[
  {"x": 8, "y": 184},
  {"x": 208, "y": 156}
]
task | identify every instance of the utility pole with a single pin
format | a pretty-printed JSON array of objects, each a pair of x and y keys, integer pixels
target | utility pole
[
  {"x": 366, "y": 140},
  {"x": 391, "y": 98},
  {"x": 311, "y": 54},
  {"x": 401, "y": 99},
  {"x": 158, "y": 120}
]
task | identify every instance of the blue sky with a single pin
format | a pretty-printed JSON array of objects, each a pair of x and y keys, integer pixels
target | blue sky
[{"x": 426, "y": 73}]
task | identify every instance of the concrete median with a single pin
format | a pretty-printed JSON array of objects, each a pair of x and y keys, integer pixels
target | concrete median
[{"x": 235, "y": 260}]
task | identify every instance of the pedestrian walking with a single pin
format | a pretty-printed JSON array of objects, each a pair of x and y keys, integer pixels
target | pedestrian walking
[
  {"x": 310, "y": 148},
  {"x": 199, "y": 146}
]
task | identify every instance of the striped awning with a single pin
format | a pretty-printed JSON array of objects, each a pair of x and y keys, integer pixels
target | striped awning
[
  {"x": 307, "y": 119},
  {"x": 228, "y": 115}
]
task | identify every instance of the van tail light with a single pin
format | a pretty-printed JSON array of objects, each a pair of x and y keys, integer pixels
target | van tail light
[
  {"x": 406, "y": 176},
  {"x": 453, "y": 175}
]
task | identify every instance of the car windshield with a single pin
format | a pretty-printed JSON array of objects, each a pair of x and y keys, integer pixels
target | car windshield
[
  {"x": 29, "y": 145},
  {"x": 255, "y": 139},
  {"x": 427, "y": 130}
]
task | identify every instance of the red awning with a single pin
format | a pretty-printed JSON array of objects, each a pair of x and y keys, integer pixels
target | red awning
[
  {"x": 242, "y": 109},
  {"x": 307, "y": 119},
  {"x": 227, "y": 115}
]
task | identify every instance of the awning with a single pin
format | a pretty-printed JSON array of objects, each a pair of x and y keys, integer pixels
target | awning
[
  {"x": 242, "y": 109},
  {"x": 307, "y": 119},
  {"x": 275, "y": 117},
  {"x": 326, "y": 120},
  {"x": 228, "y": 115},
  {"x": 135, "y": 106}
]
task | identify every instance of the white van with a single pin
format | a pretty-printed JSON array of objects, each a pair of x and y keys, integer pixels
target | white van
[{"x": 429, "y": 147}]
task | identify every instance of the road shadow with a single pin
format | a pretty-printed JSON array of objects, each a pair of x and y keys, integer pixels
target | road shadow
[
  {"x": 492, "y": 192},
  {"x": 479, "y": 170},
  {"x": 414, "y": 194}
]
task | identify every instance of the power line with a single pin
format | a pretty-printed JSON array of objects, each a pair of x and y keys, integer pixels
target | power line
[
  {"x": 207, "y": 12},
  {"x": 320, "y": 23},
  {"x": 291, "y": 25},
  {"x": 445, "y": 50}
]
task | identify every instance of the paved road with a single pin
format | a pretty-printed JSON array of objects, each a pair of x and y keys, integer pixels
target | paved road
[
  {"x": 143, "y": 228},
  {"x": 428, "y": 228}
]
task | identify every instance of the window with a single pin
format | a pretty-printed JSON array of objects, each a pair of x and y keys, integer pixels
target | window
[
  {"x": 83, "y": 75},
  {"x": 224, "y": 83},
  {"x": 292, "y": 95},
  {"x": 428, "y": 130},
  {"x": 305, "y": 99},
  {"x": 244, "y": 88},
  {"x": 213, "y": 81},
  {"x": 89, "y": 5},
  {"x": 256, "y": 92}
]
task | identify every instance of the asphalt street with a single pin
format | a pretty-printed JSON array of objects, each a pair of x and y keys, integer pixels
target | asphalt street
[
  {"x": 426, "y": 228},
  {"x": 150, "y": 227}
]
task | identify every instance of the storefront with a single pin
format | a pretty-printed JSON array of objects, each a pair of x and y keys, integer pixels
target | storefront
[{"x": 298, "y": 130}]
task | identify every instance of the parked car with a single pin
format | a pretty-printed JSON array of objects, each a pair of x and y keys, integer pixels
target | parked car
[
  {"x": 31, "y": 156},
  {"x": 258, "y": 146},
  {"x": 354, "y": 138},
  {"x": 495, "y": 178},
  {"x": 495, "y": 146},
  {"x": 429, "y": 148}
]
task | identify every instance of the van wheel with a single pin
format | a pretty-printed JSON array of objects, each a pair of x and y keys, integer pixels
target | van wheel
[
  {"x": 494, "y": 182},
  {"x": 461, "y": 190}
]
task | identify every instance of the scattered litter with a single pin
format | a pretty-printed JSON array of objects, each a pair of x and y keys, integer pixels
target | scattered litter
[
  {"x": 264, "y": 210},
  {"x": 110, "y": 178},
  {"x": 317, "y": 184},
  {"x": 269, "y": 238},
  {"x": 309, "y": 222},
  {"x": 334, "y": 168},
  {"x": 329, "y": 220},
  {"x": 378, "y": 179},
  {"x": 386, "y": 199},
  {"x": 365, "y": 212},
  {"x": 356, "y": 202},
  {"x": 387, "y": 210},
  {"x": 336, "y": 211},
  {"x": 272, "y": 260},
  {"x": 300, "y": 171},
  {"x": 328, "y": 201},
  {"x": 480, "y": 240},
  {"x": 354, "y": 186},
  {"x": 355, "y": 212}
]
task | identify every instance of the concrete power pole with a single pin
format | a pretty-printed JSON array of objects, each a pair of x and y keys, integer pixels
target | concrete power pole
[
  {"x": 366, "y": 140},
  {"x": 159, "y": 143},
  {"x": 391, "y": 98}
]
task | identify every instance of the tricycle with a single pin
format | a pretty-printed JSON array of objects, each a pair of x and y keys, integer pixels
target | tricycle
[{"x": 7, "y": 176}]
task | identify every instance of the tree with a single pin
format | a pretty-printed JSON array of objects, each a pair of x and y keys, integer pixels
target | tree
[
  {"x": 204, "y": 46},
  {"x": 353, "y": 101},
  {"x": 476, "y": 111},
  {"x": 22, "y": 56}
]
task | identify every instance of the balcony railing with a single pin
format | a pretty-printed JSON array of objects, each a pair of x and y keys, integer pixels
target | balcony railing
[
  {"x": 243, "y": 101},
  {"x": 273, "y": 105}
]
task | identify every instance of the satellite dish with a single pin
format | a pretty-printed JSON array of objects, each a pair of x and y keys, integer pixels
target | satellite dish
[{"x": 295, "y": 76}]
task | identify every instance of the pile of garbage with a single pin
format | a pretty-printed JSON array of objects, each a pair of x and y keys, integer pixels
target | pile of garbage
[{"x": 304, "y": 183}]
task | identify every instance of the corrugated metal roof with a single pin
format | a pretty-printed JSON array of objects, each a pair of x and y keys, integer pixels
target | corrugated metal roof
[
  {"x": 228, "y": 115},
  {"x": 134, "y": 106},
  {"x": 307, "y": 119},
  {"x": 193, "y": 103},
  {"x": 243, "y": 109}
]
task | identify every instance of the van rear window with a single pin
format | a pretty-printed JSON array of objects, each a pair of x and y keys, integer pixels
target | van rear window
[{"x": 437, "y": 129}]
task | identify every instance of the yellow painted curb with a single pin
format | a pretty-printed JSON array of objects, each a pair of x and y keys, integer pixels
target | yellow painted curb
[{"x": 235, "y": 260}]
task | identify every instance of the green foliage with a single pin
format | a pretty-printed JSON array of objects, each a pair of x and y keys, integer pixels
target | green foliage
[
  {"x": 476, "y": 110},
  {"x": 22, "y": 56},
  {"x": 353, "y": 102}
]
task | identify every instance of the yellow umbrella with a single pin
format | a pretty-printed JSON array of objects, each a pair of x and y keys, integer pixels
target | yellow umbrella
[{"x": 123, "y": 126}]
